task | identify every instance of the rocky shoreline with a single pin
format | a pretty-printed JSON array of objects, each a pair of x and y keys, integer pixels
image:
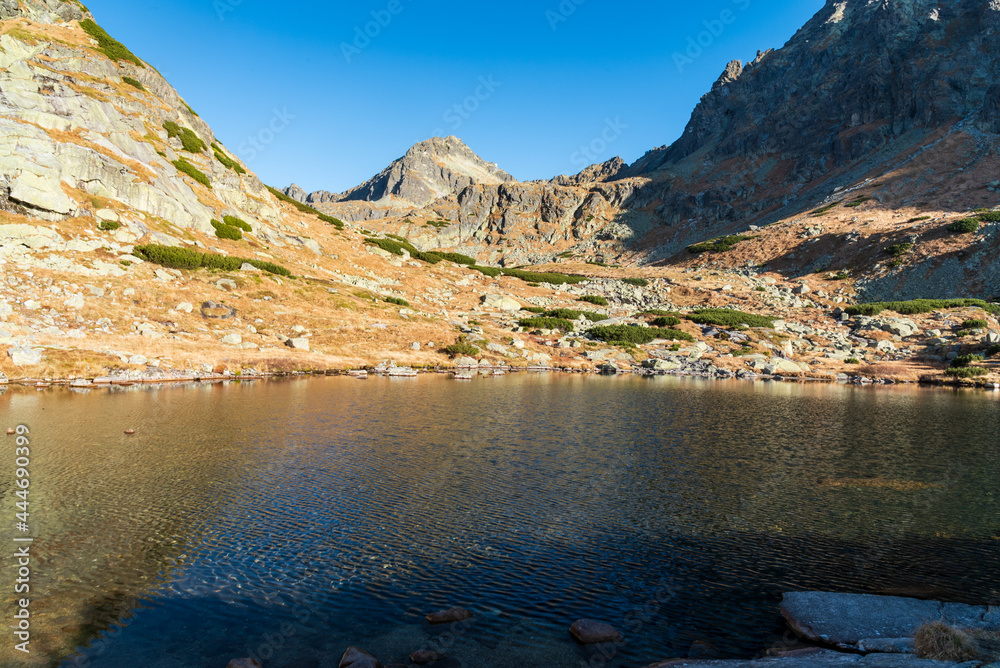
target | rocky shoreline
[
  {"x": 830, "y": 629},
  {"x": 156, "y": 376}
]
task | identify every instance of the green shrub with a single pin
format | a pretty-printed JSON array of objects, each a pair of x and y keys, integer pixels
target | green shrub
[
  {"x": 546, "y": 323},
  {"x": 898, "y": 250},
  {"x": 822, "y": 211},
  {"x": 135, "y": 83},
  {"x": 397, "y": 301},
  {"x": 336, "y": 222},
  {"x": 964, "y": 226},
  {"x": 596, "y": 301},
  {"x": 665, "y": 321},
  {"x": 108, "y": 225},
  {"x": 839, "y": 277},
  {"x": 962, "y": 333},
  {"x": 533, "y": 309},
  {"x": 990, "y": 217},
  {"x": 531, "y": 276},
  {"x": 729, "y": 318},
  {"x": 183, "y": 258},
  {"x": 169, "y": 256},
  {"x": 917, "y": 306},
  {"x": 458, "y": 258},
  {"x": 992, "y": 351},
  {"x": 227, "y": 161},
  {"x": 858, "y": 202},
  {"x": 233, "y": 221},
  {"x": 659, "y": 312},
  {"x": 853, "y": 360},
  {"x": 397, "y": 248},
  {"x": 967, "y": 372},
  {"x": 224, "y": 231},
  {"x": 191, "y": 142},
  {"x": 108, "y": 45},
  {"x": 966, "y": 360},
  {"x": 918, "y": 219},
  {"x": 462, "y": 349},
  {"x": 720, "y": 245},
  {"x": 186, "y": 167},
  {"x": 625, "y": 334},
  {"x": 975, "y": 323},
  {"x": 570, "y": 314},
  {"x": 637, "y": 282}
]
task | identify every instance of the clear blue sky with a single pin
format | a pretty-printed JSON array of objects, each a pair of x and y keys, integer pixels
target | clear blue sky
[{"x": 555, "y": 73}]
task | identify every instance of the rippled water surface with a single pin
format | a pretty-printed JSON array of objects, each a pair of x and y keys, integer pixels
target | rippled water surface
[{"x": 290, "y": 519}]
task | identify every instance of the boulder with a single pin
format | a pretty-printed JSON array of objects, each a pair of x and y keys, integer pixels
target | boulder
[
  {"x": 992, "y": 337},
  {"x": 589, "y": 632},
  {"x": 184, "y": 307},
  {"x": 298, "y": 343},
  {"x": 357, "y": 658},
  {"x": 846, "y": 620},
  {"x": 501, "y": 302},
  {"x": 22, "y": 356},
  {"x": 76, "y": 301},
  {"x": 232, "y": 340},
  {"x": 449, "y": 616},
  {"x": 466, "y": 363}
]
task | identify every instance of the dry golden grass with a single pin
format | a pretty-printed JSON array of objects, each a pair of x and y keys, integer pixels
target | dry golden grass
[{"x": 941, "y": 642}]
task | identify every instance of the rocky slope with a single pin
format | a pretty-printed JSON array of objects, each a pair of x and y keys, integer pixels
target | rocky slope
[{"x": 860, "y": 95}]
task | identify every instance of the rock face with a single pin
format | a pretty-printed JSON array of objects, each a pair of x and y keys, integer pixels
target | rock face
[
  {"x": 848, "y": 620},
  {"x": 76, "y": 137}
]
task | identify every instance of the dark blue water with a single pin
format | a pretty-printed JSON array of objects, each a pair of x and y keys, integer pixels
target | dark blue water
[{"x": 290, "y": 520}]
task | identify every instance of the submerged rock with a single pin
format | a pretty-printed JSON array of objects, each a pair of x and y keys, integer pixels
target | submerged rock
[
  {"x": 358, "y": 658},
  {"x": 244, "y": 663},
  {"x": 425, "y": 656},
  {"x": 449, "y": 616},
  {"x": 589, "y": 632}
]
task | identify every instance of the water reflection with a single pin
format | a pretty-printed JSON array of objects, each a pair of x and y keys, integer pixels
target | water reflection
[{"x": 349, "y": 509}]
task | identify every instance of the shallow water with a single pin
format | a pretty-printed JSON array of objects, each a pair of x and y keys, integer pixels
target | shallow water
[{"x": 291, "y": 519}]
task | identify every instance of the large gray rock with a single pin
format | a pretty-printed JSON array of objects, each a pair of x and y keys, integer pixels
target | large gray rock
[
  {"x": 22, "y": 356},
  {"x": 845, "y": 620}
]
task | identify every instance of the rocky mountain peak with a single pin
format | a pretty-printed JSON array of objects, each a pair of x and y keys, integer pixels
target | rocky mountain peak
[{"x": 429, "y": 170}]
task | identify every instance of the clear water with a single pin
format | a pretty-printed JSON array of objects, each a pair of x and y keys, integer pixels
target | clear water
[{"x": 291, "y": 519}]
